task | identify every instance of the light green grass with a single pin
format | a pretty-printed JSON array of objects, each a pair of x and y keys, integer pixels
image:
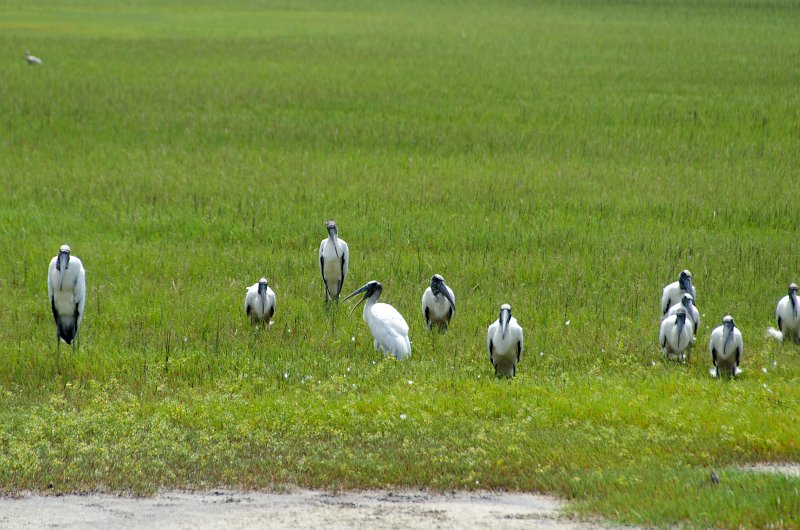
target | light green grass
[{"x": 569, "y": 159}]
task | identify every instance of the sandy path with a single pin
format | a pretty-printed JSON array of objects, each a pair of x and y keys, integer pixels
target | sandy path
[
  {"x": 298, "y": 509},
  {"x": 790, "y": 470}
]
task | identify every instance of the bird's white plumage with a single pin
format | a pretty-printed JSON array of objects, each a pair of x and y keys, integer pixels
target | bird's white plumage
[
  {"x": 334, "y": 261},
  {"x": 389, "y": 329},
  {"x": 32, "y": 59},
  {"x": 787, "y": 315},
  {"x": 66, "y": 290},
  {"x": 259, "y": 308},
  {"x": 505, "y": 350},
  {"x": 675, "y": 339},
  {"x": 437, "y": 308},
  {"x": 725, "y": 356},
  {"x": 691, "y": 314},
  {"x": 672, "y": 294}
]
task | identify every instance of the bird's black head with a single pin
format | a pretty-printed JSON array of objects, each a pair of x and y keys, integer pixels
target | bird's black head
[
  {"x": 680, "y": 315},
  {"x": 727, "y": 322},
  {"x": 263, "y": 283},
  {"x": 505, "y": 316},
  {"x": 438, "y": 287},
  {"x": 330, "y": 226},
  {"x": 685, "y": 280},
  {"x": 372, "y": 290},
  {"x": 687, "y": 300},
  {"x": 792, "y": 289},
  {"x": 62, "y": 262}
]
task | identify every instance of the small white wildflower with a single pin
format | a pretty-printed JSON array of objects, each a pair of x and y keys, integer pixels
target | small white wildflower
[
  {"x": 373, "y": 362},
  {"x": 185, "y": 339},
  {"x": 352, "y": 339},
  {"x": 774, "y": 363},
  {"x": 410, "y": 382},
  {"x": 286, "y": 375},
  {"x": 479, "y": 376},
  {"x": 541, "y": 354},
  {"x": 764, "y": 369},
  {"x": 477, "y": 481},
  {"x": 348, "y": 368},
  {"x": 652, "y": 363},
  {"x": 567, "y": 323},
  {"x": 289, "y": 330},
  {"x": 403, "y": 416}
]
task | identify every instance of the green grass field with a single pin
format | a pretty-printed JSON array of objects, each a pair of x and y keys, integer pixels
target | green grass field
[{"x": 567, "y": 158}]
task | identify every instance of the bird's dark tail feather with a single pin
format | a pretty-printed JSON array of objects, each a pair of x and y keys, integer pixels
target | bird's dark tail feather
[{"x": 66, "y": 333}]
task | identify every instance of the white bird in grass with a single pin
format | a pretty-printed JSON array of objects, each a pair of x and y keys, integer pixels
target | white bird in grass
[
  {"x": 726, "y": 348},
  {"x": 675, "y": 336},
  {"x": 673, "y": 292},
  {"x": 259, "y": 302},
  {"x": 388, "y": 327},
  {"x": 438, "y": 304},
  {"x": 66, "y": 288},
  {"x": 788, "y": 315},
  {"x": 504, "y": 341},
  {"x": 334, "y": 258},
  {"x": 687, "y": 302},
  {"x": 32, "y": 59}
]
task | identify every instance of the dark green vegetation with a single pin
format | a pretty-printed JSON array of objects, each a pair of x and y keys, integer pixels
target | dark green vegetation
[{"x": 568, "y": 159}]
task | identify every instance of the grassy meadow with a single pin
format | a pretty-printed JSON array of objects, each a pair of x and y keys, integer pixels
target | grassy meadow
[{"x": 568, "y": 158}]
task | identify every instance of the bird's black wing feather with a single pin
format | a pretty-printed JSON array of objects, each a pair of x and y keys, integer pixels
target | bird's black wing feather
[{"x": 53, "y": 307}]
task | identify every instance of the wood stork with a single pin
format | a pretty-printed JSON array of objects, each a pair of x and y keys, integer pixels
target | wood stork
[
  {"x": 504, "y": 341},
  {"x": 388, "y": 327},
  {"x": 438, "y": 304},
  {"x": 788, "y": 316},
  {"x": 673, "y": 292},
  {"x": 726, "y": 348},
  {"x": 32, "y": 60},
  {"x": 687, "y": 302},
  {"x": 334, "y": 258},
  {"x": 259, "y": 302},
  {"x": 66, "y": 288},
  {"x": 675, "y": 336}
]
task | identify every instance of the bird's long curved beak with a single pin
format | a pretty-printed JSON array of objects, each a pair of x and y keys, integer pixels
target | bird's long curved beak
[
  {"x": 63, "y": 263},
  {"x": 688, "y": 285},
  {"x": 727, "y": 335},
  {"x": 446, "y": 294},
  {"x": 505, "y": 318},
  {"x": 333, "y": 236},
  {"x": 357, "y": 291}
]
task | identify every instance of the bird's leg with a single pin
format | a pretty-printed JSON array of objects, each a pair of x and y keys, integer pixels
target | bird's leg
[{"x": 58, "y": 352}]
